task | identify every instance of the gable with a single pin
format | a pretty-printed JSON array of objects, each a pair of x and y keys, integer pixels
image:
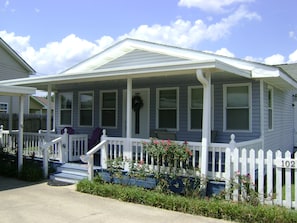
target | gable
[
  {"x": 12, "y": 65},
  {"x": 140, "y": 58}
]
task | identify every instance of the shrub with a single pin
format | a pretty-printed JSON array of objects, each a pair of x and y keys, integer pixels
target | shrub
[
  {"x": 31, "y": 171},
  {"x": 214, "y": 208}
]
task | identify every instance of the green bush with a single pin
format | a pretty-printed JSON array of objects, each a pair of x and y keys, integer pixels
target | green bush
[
  {"x": 206, "y": 207},
  {"x": 31, "y": 171}
]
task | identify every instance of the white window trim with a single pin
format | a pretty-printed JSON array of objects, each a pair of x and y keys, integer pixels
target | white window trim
[
  {"x": 79, "y": 108},
  {"x": 177, "y": 107},
  {"x": 64, "y": 125},
  {"x": 189, "y": 107},
  {"x": 116, "y": 108},
  {"x": 225, "y": 86},
  {"x": 270, "y": 88},
  {"x": 4, "y": 111}
]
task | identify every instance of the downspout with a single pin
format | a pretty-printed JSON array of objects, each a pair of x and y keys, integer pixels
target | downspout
[
  {"x": 262, "y": 112},
  {"x": 205, "y": 80}
]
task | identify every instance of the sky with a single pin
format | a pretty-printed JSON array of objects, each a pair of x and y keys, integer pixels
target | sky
[{"x": 53, "y": 35}]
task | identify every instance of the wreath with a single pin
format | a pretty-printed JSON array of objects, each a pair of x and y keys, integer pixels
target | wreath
[{"x": 137, "y": 102}]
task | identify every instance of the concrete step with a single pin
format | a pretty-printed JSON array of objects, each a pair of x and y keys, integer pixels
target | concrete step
[{"x": 71, "y": 172}]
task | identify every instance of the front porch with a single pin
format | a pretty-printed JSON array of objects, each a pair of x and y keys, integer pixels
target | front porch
[{"x": 66, "y": 148}]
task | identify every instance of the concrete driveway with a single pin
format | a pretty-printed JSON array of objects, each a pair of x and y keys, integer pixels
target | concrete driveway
[{"x": 28, "y": 203}]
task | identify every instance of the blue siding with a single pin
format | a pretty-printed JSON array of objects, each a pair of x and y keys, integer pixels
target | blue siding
[
  {"x": 281, "y": 136},
  {"x": 162, "y": 82}
]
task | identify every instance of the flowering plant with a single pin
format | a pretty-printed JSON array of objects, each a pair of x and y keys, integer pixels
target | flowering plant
[{"x": 167, "y": 151}]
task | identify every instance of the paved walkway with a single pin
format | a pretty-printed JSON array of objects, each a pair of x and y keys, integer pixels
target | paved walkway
[{"x": 41, "y": 203}]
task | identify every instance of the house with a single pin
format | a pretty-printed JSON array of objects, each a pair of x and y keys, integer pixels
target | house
[
  {"x": 14, "y": 99},
  {"x": 138, "y": 89},
  {"x": 12, "y": 66},
  {"x": 38, "y": 105}
]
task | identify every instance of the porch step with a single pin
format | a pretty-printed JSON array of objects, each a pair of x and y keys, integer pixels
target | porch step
[{"x": 71, "y": 173}]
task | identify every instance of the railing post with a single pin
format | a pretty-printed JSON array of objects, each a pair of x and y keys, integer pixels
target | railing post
[
  {"x": 91, "y": 167},
  {"x": 1, "y": 136},
  {"x": 104, "y": 151},
  {"x": 65, "y": 147}
]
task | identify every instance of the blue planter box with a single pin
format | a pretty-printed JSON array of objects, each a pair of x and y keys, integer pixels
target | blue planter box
[
  {"x": 148, "y": 182},
  {"x": 215, "y": 188}
]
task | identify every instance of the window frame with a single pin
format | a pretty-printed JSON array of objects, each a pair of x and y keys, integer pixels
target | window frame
[
  {"x": 115, "y": 109},
  {"x": 60, "y": 108},
  {"x": 5, "y": 111},
  {"x": 225, "y": 87},
  {"x": 190, "y": 88},
  {"x": 158, "y": 107},
  {"x": 80, "y": 109},
  {"x": 270, "y": 107}
]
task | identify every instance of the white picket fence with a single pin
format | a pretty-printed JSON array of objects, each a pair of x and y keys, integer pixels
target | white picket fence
[{"x": 271, "y": 173}]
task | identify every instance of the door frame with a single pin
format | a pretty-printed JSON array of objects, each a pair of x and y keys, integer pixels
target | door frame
[{"x": 124, "y": 110}]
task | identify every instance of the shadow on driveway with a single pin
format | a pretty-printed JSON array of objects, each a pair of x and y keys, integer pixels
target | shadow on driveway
[{"x": 13, "y": 183}]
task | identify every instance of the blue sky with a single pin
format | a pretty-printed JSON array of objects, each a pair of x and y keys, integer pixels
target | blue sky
[{"x": 52, "y": 35}]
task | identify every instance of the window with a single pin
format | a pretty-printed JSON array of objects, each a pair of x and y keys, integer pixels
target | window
[
  {"x": 237, "y": 107},
  {"x": 167, "y": 108},
  {"x": 109, "y": 109},
  {"x": 270, "y": 108},
  {"x": 66, "y": 108},
  {"x": 195, "y": 107},
  {"x": 3, "y": 107},
  {"x": 86, "y": 108}
]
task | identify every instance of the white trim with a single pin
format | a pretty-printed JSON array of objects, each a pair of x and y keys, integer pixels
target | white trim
[
  {"x": 72, "y": 104},
  {"x": 101, "y": 106},
  {"x": 270, "y": 88},
  {"x": 225, "y": 86},
  {"x": 158, "y": 104},
  {"x": 79, "y": 107},
  {"x": 16, "y": 90}
]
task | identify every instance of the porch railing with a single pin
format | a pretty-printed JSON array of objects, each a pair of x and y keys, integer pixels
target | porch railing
[
  {"x": 72, "y": 147},
  {"x": 132, "y": 150}
]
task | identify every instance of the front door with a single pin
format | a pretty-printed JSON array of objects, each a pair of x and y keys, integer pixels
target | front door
[{"x": 140, "y": 113}]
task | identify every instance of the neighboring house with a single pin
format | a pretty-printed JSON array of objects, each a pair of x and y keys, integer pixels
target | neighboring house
[
  {"x": 12, "y": 66},
  {"x": 137, "y": 89},
  {"x": 38, "y": 105}
]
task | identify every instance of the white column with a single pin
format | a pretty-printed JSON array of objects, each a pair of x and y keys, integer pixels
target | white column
[
  {"x": 129, "y": 109},
  {"x": 205, "y": 80},
  {"x": 48, "y": 130},
  {"x": 127, "y": 153},
  {"x": 21, "y": 131}
]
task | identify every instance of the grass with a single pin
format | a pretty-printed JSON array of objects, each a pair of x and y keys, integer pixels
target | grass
[
  {"x": 292, "y": 192},
  {"x": 215, "y": 208}
]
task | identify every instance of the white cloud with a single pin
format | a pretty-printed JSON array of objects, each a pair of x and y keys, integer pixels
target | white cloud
[
  {"x": 275, "y": 59},
  {"x": 211, "y": 5},
  {"x": 57, "y": 56},
  {"x": 292, "y": 35},
  {"x": 293, "y": 57},
  {"x": 6, "y": 4},
  {"x": 189, "y": 34}
]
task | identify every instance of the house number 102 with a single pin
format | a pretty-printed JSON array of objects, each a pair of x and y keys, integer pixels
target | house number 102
[{"x": 286, "y": 163}]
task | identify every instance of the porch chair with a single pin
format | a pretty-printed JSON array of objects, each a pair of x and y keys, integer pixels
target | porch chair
[{"x": 95, "y": 137}]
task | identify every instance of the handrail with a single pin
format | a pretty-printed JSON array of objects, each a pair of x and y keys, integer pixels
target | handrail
[
  {"x": 89, "y": 158},
  {"x": 96, "y": 148},
  {"x": 49, "y": 144}
]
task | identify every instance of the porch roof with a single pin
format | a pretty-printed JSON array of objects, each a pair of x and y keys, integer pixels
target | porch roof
[
  {"x": 16, "y": 90},
  {"x": 140, "y": 59}
]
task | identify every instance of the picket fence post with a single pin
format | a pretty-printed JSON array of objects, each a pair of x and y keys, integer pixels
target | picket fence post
[{"x": 278, "y": 175}]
